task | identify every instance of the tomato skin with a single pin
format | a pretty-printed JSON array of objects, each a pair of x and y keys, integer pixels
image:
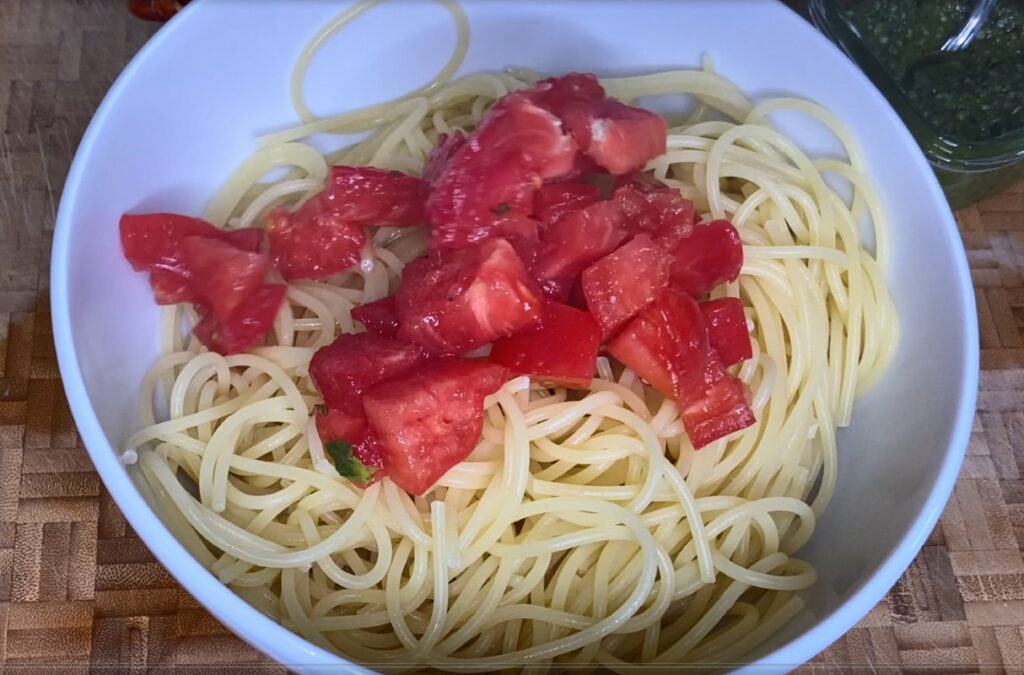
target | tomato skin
[
  {"x": 313, "y": 242},
  {"x": 555, "y": 201},
  {"x": 494, "y": 171},
  {"x": 625, "y": 281},
  {"x": 727, "y": 329},
  {"x": 430, "y": 419},
  {"x": 618, "y": 137},
  {"x": 441, "y": 154},
  {"x": 462, "y": 299},
  {"x": 561, "y": 349},
  {"x": 363, "y": 195},
  {"x": 560, "y": 94},
  {"x": 222, "y": 276},
  {"x": 660, "y": 212},
  {"x": 711, "y": 255},
  {"x": 344, "y": 369},
  {"x": 717, "y": 410},
  {"x": 579, "y": 239},
  {"x": 666, "y": 344},
  {"x": 336, "y": 425},
  {"x": 153, "y": 241},
  {"x": 379, "y": 317},
  {"x": 246, "y": 326}
]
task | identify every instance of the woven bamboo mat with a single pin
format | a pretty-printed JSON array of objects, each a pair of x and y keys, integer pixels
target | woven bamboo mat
[{"x": 78, "y": 588}]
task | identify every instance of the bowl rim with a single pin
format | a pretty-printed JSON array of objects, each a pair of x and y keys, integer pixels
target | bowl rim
[{"x": 224, "y": 604}]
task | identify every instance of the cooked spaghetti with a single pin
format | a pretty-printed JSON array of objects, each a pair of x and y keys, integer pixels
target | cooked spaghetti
[{"x": 584, "y": 528}]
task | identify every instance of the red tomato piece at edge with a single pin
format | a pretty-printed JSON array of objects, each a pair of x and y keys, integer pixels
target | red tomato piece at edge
[
  {"x": 430, "y": 419},
  {"x": 363, "y": 195},
  {"x": 625, "y": 281},
  {"x": 717, "y": 411},
  {"x": 344, "y": 369},
  {"x": 727, "y": 329},
  {"x": 463, "y": 299},
  {"x": 579, "y": 239},
  {"x": 379, "y": 317},
  {"x": 713, "y": 254},
  {"x": 246, "y": 326},
  {"x": 561, "y": 349},
  {"x": 618, "y": 137},
  {"x": 336, "y": 425},
  {"x": 313, "y": 242},
  {"x": 222, "y": 276},
  {"x": 666, "y": 344}
]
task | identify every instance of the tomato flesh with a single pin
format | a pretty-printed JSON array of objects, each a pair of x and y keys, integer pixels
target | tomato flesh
[
  {"x": 665, "y": 344},
  {"x": 495, "y": 171},
  {"x": 579, "y": 239},
  {"x": 379, "y": 317},
  {"x": 336, "y": 425},
  {"x": 618, "y": 137},
  {"x": 555, "y": 201},
  {"x": 727, "y": 329},
  {"x": 246, "y": 326},
  {"x": 364, "y": 195},
  {"x": 717, "y": 410},
  {"x": 222, "y": 276},
  {"x": 313, "y": 242},
  {"x": 711, "y": 255},
  {"x": 560, "y": 350},
  {"x": 625, "y": 281},
  {"x": 466, "y": 298},
  {"x": 344, "y": 369},
  {"x": 430, "y": 419},
  {"x": 153, "y": 241}
]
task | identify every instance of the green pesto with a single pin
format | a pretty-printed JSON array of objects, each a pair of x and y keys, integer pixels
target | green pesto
[{"x": 975, "y": 94}]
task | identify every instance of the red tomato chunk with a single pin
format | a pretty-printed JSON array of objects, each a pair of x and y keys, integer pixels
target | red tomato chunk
[
  {"x": 464, "y": 299},
  {"x": 618, "y": 137},
  {"x": 711, "y": 255},
  {"x": 366, "y": 196},
  {"x": 495, "y": 171},
  {"x": 579, "y": 239},
  {"x": 624, "y": 282},
  {"x": 313, "y": 242},
  {"x": 379, "y": 317},
  {"x": 666, "y": 344},
  {"x": 662, "y": 213},
  {"x": 718, "y": 410},
  {"x": 344, "y": 369},
  {"x": 245, "y": 327},
  {"x": 430, "y": 419},
  {"x": 555, "y": 201},
  {"x": 727, "y": 329},
  {"x": 222, "y": 276},
  {"x": 561, "y": 349},
  {"x": 335, "y": 425}
]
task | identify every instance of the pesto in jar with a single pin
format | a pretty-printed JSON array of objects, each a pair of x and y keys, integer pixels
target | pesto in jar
[{"x": 975, "y": 94}]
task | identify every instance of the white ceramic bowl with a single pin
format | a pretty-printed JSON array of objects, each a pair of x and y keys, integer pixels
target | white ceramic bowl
[{"x": 186, "y": 110}]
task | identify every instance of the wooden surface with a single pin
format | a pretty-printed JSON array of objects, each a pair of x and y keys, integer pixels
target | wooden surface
[{"x": 78, "y": 588}]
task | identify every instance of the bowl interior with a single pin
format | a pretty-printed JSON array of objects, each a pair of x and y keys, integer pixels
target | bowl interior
[{"x": 187, "y": 110}]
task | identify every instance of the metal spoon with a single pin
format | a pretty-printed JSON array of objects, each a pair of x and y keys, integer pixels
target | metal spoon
[{"x": 971, "y": 27}]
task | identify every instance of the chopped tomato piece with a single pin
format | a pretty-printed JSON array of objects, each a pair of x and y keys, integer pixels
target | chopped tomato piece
[
  {"x": 430, "y": 419},
  {"x": 583, "y": 236},
  {"x": 495, "y": 171},
  {"x": 620, "y": 138},
  {"x": 561, "y": 349},
  {"x": 156, "y": 10},
  {"x": 222, "y": 276},
  {"x": 171, "y": 287},
  {"x": 154, "y": 240},
  {"x": 379, "y": 317},
  {"x": 336, "y": 425},
  {"x": 441, "y": 154},
  {"x": 662, "y": 213},
  {"x": 717, "y": 411},
  {"x": 666, "y": 344},
  {"x": 625, "y": 281},
  {"x": 560, "y": 94},
  {"x": 463, "y": 299},
  {"x": 246, "y": 326},
  {"x": 555, "y": 201},
  {"x": 313, "y": 242},
  {"x": 366, "y": 196},
  {"x": 344, "y": 369},
  {"x": 711, "y": 255},
  {"x": 727, "y": 329},
  {"x": 559, "y": 289}
]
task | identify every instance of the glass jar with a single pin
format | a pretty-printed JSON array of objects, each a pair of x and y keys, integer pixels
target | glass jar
[{"x": 964, "y": 108}]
